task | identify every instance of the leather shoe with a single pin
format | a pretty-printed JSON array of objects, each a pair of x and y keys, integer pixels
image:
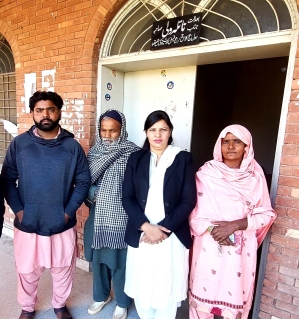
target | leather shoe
[{"x": 27, "y": 314}]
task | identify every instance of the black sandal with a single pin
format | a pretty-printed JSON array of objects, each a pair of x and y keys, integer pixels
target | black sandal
[
  {"x": 27, "y": 314},
  {"x": 62, "y": 313}
]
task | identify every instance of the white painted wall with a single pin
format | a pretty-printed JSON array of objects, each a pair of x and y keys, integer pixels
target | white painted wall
[
  {"x": 116, "y": 78},
  {"x": 147, "y": 91}
]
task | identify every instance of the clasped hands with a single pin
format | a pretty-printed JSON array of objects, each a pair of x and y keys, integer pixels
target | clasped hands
[
  {"x": 153, "y": 234},
  {"x": 221, "y": 232}
]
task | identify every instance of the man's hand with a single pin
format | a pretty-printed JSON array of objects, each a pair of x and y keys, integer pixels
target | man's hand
[
  {"x": 20, "y": 214},
  {"x": 66, "y": 217}
]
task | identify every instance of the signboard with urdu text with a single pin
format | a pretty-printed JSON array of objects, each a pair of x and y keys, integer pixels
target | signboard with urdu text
[{"x": 176, "y": 32}]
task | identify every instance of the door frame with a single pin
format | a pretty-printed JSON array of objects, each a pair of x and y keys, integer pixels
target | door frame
[{"x": 267, "y": 45}]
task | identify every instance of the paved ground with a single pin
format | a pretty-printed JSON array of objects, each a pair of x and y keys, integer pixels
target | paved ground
[{"x": 78, "y": 302}]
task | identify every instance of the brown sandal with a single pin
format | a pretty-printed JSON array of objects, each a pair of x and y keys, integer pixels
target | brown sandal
[
  {"x": 27, "y": 314},
  {"x": 62, "y": 313}
]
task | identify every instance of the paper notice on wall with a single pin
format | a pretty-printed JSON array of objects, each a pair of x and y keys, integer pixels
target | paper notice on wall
[
  {"x": 48, "y": 79},
  {"x": 29, "y": 88}
]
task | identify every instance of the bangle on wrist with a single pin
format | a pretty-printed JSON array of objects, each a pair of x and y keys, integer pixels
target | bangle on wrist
[{"x": 210, "y": 228}]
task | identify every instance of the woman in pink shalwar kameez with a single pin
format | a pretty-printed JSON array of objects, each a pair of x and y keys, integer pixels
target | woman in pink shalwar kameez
[{"x": 231, "y": 218}]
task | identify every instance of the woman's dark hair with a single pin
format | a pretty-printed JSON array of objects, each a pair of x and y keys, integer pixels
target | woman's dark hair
[
  {"x": 44, "y": 96},
  {"x": 153, "y": 118}
]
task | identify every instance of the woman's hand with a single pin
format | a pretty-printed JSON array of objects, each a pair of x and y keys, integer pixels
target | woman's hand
[
  {"x": 223, "y": 229},
  {"x": 153, "y": 234}
]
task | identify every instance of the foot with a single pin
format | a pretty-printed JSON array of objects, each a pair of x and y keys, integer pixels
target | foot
[
  {"x": 120, "y": 313},
  {"x": 97, "y": 306},
  {"x": 62, "y": 313},
  {"x": 27, "y": 314}
]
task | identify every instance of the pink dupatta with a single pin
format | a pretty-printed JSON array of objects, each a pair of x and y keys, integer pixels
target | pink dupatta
[
  {"x": 248, "y": 181},
  {"x": 222, "y": 283}
]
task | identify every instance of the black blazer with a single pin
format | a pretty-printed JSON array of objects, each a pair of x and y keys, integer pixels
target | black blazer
[{"x": 179, "y": 195}]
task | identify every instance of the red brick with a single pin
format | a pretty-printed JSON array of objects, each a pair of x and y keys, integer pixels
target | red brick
[
  {"x": 84, "y": 5},
  {"x": 289, "y": 252},
  {"x": 289, "y": 202},
  {"x": 280, "y": 210},
  {"x": 59, "y": 6},
  {"x": 274, "y": 249},
  {"x": 287, "y": 222},
  {"x": 294, "y": 105},
  {"x": 275, "y": 312},
  {"x": 290, "y": 271},
  {"x": 274, "y": 294},
  {"x": 286, "y": 170},
  {"x": 294, "y": 95},
  {"x": 277, "y": 277},
  {"x": 295, "y": 84},
  {"x": 272, "y": 267},
  {"x": 267, "y": 300},
  {"x": 296, "y": 301},
  {"x": 286, "y": 306},
  {"x": 289, "y": 149},
  {"x": 284, "y": 190},
  {"x": 285, "y": 241},
  {"x": 296, "y": 73},
  {"x": 264, "y": 315},
  {"x": 293, "y": 117},
  {"x": 291, "y": 139},
  {"x": 293, "y": 213},
  {"x": 291, "y": 290},
  {"x": 296, "y": 171}
]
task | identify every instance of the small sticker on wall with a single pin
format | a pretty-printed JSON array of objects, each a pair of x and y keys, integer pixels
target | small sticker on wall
[
  {"x": 170, "y": 85},
  {"x": 163, "y": 73},
  {"x": 109, "y": 86},
  {"x": 113, "y": 72},
  {"x": 107, "y": 97}
]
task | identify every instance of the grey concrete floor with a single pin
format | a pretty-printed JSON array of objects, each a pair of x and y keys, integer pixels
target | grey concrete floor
[{"x": 78, "y": 301}]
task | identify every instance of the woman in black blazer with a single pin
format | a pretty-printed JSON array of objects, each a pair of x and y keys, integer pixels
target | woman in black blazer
[{"x": 159, "y": 193}]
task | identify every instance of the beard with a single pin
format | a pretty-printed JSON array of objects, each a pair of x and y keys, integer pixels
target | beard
[
  {"x": 47, "y": 127},
  {"x": 109, "y": 141}
]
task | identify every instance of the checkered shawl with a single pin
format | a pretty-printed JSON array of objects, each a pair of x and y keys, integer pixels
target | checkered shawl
[{"x": 107, "y": 164}]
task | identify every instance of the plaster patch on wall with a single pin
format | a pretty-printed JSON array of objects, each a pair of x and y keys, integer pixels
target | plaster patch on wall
[
  {"x": 295, "y": 192},
  {"x": 79, "y": 132},
  {"x": 72, "y": 115},
  {"x": 48, "y": 80},
  {"x": 29, "y": 89},
  {"x": 71, "y": 121},
  {"x": 79, "y": 115},
  {"x": 293, "y": 233}
]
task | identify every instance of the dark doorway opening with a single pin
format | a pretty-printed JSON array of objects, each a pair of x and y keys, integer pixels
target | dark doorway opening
[{"x": 249, "y": 93}]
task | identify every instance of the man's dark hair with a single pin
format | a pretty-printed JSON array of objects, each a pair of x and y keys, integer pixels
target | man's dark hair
[
  {"x": 44, "y": 96},
  {"x": 153, "y": 118}
]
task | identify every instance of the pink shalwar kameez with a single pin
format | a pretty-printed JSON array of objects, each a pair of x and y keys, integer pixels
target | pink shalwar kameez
[
  {"x": 34, "y": 253},
  {"x": 222, "y": 277}
]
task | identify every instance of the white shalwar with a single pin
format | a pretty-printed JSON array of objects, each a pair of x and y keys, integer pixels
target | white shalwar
[{"x": 157, "y": 275}]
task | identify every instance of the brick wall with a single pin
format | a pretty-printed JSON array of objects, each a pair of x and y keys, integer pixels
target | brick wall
[
  {"x": 281, "y": 286},
  {"x": 59, "y": 40}
]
